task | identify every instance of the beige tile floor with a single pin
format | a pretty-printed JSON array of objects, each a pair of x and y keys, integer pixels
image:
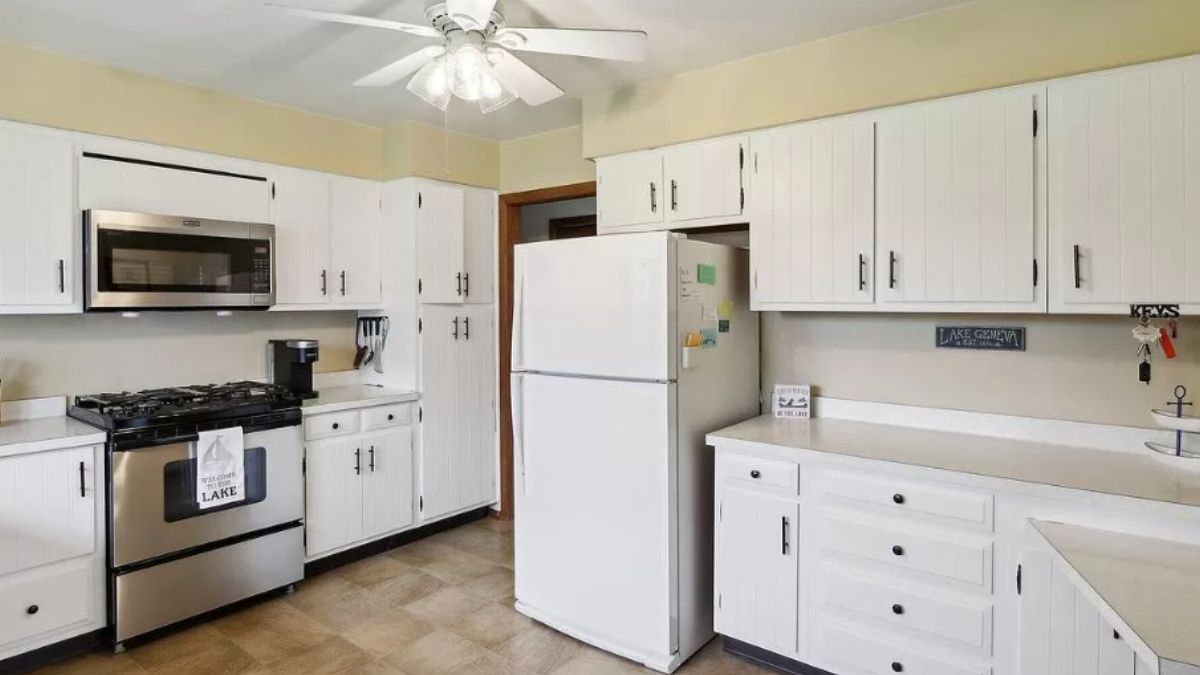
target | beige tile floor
[{"x": 439, "y": 606}]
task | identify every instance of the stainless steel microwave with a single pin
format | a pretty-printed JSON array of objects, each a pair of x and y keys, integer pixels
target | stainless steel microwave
[{"x": 139, "y": 261}]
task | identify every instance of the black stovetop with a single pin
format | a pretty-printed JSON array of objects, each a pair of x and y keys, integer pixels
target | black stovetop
[{"x": 197, "y": 404}]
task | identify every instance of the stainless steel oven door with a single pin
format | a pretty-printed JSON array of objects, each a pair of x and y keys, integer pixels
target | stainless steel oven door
[{"x": 153, "y": 496}]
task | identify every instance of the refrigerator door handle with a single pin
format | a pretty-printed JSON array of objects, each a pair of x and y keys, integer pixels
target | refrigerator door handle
[
  {"x": 518, "y": 323},
  {"x": 518, "y": 423}
]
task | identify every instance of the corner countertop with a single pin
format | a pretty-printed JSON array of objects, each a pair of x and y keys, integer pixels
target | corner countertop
[
  {"x": 24, "y": 436},
  {"x": 1107, "y": 472},
  {"x": 349, "y": 396},
  {"x": 1153, "y": 585}
]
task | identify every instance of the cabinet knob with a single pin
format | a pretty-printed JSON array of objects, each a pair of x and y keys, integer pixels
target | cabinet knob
[
  {"x": 897, "y": 550},
  {"x": 897, "y": 609},
  {"x": 391, "y": 417},
  {"x": 897, "y": 667},
  {"x": 898, "y": 498},
  {"x": 32, "y": 609},
  {"x": 755, "y": 473},
  {"x": 336, "y": 425}
]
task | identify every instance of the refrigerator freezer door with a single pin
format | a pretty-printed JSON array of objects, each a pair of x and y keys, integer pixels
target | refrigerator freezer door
[
  {"x": 595, "y": 531},
  {"x": 599, "y": 306}
]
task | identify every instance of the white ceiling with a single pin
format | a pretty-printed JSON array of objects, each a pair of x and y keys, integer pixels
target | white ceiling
[{"x": 242, "y": 47}]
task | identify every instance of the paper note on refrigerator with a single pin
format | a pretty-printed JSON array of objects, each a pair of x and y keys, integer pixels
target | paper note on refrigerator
[
  {"x": 725, "y": 310},
  {"x": 706, "y": 274}
]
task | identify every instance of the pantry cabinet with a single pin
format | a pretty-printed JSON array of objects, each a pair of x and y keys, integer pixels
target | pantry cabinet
[
  {"x": 1124, "y": 182},
  {"x": 959, "y": 223},
  {"x": 38, "y": 227},
  {"x": 812, "y": 215},
  {"x": 456, "y": 232}
]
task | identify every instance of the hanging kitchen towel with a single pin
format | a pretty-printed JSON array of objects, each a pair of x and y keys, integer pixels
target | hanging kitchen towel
[{"x": 220, "y": 467}]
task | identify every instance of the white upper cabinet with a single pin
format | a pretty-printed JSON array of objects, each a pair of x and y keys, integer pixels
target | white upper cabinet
[
  {"x": 1124, "y": 188},
  {"x": 704, "y": 182},
  {"x": 38, "y": 224},
  {"x": 133, "y": 183},
  {"x": 812, "y": 215},
  {"x": 302, "y": 237},
  {"x": 355, "y": 221},
  {"x": 958, "y": 221},
  {"x": 456, "y": 243},
  {"x": 479, "y": 236},
  {"x": 629, "y": 192}
]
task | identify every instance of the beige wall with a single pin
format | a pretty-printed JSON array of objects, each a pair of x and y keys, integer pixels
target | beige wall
[
  {"x": 416, "y": 149},
  {"x": 84, "y": 354},
  {"x": 980, "y": 45},
  {"x": 544, "y": 160},
  {"x": 1075, "y": 368}
]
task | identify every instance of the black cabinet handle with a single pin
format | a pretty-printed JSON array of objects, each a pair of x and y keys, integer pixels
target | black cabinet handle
[
  {"x": 455, "y": 332},
  {"x": 862, "y": 272},
  {"x": 372, "y": 451},
  {"x": 358, "y": 461},
  {"x": 897, "y": 550},
  {"x": 82, "y": 482},
  {"x": 391, "y": 417},
  {"x": 32, "y": 609},
  {"x": 897, "y": 609},
  {"x": 897, "y": 667},
  {"x": 458, "y": 278},
  {"x": 324, "y": 282},
  {"x": 786, "y": 546},
  {"x": 343, "y": 275},
  {"x": 653, "y": 197},
  {"x": 1079, "y": 280},
  {"x": 755, "y": 473},
  {"x": 898, "y": 498},
  {"x": 466, "y": 328},
  {"x": 674, "y": 195},
  {"x": 891, "y": 269},
  {"x": 335, "y": 426},
  {"x": 62, "y": 276},
  {"x": 466, "y": 284}
]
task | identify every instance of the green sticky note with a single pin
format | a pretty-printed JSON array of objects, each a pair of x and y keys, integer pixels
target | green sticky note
[{"x": 706, "y": 274}]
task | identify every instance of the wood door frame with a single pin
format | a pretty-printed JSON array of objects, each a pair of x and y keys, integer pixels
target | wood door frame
[{"x": 509, "y": 217}]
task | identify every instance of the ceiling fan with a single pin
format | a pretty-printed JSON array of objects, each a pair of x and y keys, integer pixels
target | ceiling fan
[{"x": 473, "y": 61}]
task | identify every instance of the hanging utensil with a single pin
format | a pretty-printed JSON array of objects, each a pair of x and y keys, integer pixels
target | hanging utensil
[
  {"x": 360, "y": 353},
  {"x": 381, "y": 340}
]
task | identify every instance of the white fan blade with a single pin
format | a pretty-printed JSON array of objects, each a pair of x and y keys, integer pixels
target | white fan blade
[
  {"x": 471, "y": 14},
  {"x": 621, "y": 45},
  {"x": 398, "y": 70},
  {"x": 529, "y": 84},
  {"x": 354, "y": 20}
]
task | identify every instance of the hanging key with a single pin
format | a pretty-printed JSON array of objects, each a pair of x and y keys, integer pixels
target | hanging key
[
  {"x": 1173, "y": 328},
  {"x": 1144, "y": 366}
]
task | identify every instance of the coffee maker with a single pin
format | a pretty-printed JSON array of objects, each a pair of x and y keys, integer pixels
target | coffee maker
[{"x": 291, "y": 363}]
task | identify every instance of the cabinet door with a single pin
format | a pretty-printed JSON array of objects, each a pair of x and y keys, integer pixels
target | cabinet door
[
  {"x": 957, "y": 219},
  {"x": 704, "y": 179},
  {"x": 756, "y": 570},
  {"x": 813, "y": 214},
  {"x": 355, "y": 225},
  {"x": 1124, "y": 182},
  {"x": 301, "y": 212},
  {"x": 333, "y": 511},
  {"x": 47, "y": 507},
  {"x": 629, "y": 192},
  {"x": 37, "y": 225},
  {"x": 127, "y": 186},
  {"x": 479, "y": 246},
  {"x": 387, "y": 481},
  {"x": 441, "y": 221}
]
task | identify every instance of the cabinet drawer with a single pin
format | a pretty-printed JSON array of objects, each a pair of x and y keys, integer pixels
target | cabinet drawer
[
  {"x": 908, "y": 497},
  {"x": 964, "y": 558},
  {"x": 962, "y": 621},
  {"x": 771, "y": 473},
  {"x": 331, "y": 424},
  {"x": 46, "y": 602},
  {"x": 386, "y": 416},
  {"x": 843, "y": 645}
]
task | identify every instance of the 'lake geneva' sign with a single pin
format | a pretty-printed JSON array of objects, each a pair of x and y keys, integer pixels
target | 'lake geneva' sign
[{"x": 981, "y": 337}]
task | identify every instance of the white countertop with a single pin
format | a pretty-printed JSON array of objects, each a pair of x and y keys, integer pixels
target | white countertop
[
  {"x": 1107, "y": 472},
  {"x": 348, "y": 396},
  {"x": 1153, "y": 585},
  {"x": 18, "y": 437}
]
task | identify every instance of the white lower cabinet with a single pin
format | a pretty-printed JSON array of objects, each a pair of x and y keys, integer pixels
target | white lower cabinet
[{"x": 358, "y": 484}]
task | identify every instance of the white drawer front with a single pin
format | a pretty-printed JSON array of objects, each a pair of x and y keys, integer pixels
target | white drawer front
[
  {"x": 331, "y": 424},
  {"x": 908, "y": 497},
  {"x": 383, "y": 416},
  {"x": 846, "y": 646},
  {"x": 962, "y": 558},
  {"x": 964, "y": 621},
  {"x": 45, "y": 603},
  {"x": 754, "y": 471}
]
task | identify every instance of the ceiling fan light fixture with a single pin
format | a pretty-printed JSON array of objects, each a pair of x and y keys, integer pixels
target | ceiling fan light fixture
[
  {"x": 469, "y": 72},
  {"x": 496, "y": 95},
  {"x": 432, "y": 83}
]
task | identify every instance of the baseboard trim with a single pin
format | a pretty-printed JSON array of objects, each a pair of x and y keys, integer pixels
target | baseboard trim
[
  {"x": 58, "y": 651},
  {"x": 374, "y": 548},
  {"x": 770, "y": 659}
]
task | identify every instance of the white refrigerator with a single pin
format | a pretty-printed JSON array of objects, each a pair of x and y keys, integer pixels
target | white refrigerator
[{"x": 613, "y": 481}]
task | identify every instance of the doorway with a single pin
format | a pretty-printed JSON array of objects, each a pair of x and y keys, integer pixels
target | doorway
[{"x": 552, "y": 213}]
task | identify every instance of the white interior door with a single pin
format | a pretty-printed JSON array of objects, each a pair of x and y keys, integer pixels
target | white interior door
[
  {"x": 440, "y": 231},
  {"x": 356, "y": 221},
  {"x": 595, "y": 529},
  {"x": 333, "y": 512},
  {"x": 387, "y": 481},
  {"x": 600, "y": 306},
  {"x": 302, "y": 238}
]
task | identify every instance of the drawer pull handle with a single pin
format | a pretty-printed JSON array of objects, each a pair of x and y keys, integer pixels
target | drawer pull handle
[
  {"x": 897, "y": 667},
  {"x": 32, "y": 609},
  {"x": 897, "y": 550},
  {"x": 336, "y": 425},
  {"x": 391, "y": 417},
  {"x": 897, "y": 609},
  {"x": 755, "y": 473},
  {"x": 898, "y": 498}
]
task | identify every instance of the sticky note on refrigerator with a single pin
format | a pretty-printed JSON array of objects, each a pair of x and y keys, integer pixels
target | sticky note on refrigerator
[
  {"x": 691, "y": 340},
  {"x": 725, "y": 310},
  {"x": 708, "y": 314},
  {"x": 706, "y": 274},
  {"x": 708, "y": 338}
]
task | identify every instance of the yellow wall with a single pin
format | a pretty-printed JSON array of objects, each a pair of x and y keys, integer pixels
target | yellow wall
[
  {"x": 57, "y": 91},
  {"x": 980, "y": 45},
  {"x": 544, "y": 160},
  {"x": 416, "y": 149}
]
